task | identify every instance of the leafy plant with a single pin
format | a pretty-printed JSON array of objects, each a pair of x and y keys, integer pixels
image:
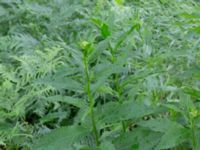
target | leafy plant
[{"x": 103, "y": 75}]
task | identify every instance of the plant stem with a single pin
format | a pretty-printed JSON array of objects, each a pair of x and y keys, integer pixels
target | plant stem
[
  {"x": 193, "y": 135},
  {"x": 121, "y": 40},
  {"x": 91, "y": 100},
  {"x": 123, "y": 126},
  {"x": 119, "y": 99},
  {"x": 124, "y": 36}
]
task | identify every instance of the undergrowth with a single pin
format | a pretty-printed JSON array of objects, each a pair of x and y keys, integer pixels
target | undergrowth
[{"x": 99, "y": 75}]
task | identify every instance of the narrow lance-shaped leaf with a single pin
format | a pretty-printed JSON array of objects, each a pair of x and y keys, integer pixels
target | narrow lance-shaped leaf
[{"x": 80, "y": 103}]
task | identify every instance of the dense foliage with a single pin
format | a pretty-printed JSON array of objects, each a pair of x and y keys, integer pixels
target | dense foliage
[{"x": 99, "y": 75}]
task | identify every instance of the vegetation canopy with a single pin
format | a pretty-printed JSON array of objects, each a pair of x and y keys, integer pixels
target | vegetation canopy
[{"x": 99, "y": 75}]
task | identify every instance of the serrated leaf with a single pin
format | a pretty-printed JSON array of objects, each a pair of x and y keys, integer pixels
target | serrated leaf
[
  {"x": 159, "y": 124},
  {"x": 127, "y": 110},
  {"x": 61, "y": 138},
  {"x": 138, "y": 139},
  {"x": 173, "y": 137}
]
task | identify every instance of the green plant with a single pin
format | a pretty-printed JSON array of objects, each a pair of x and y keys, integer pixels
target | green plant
[{"x": 103, "y": 75}]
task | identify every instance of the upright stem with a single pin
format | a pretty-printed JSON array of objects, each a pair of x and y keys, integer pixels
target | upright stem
[
  {"x": 120, "y": 100},
  {"x": 91, "y": 100},
  {"x": 121, "y": 40},
  {"x": 193, "y": 135}
]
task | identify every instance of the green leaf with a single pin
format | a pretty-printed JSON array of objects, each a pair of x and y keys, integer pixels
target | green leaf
[
  {"x": 159, "y": 124},
  {"x": 138, "y": 139},
  {"x": 173, "y": 137},
  {"x": 139, "y": 75},
  {"x": 97, "y": 22},
  {"x": 52, "y": 116},
  {"x": 99, "y": 48},
  {"x": 103, "y": 71},
  {"x": 105, "y": 31},
  {"x": 195, "y": 29},
  {"x": 80, "y": 103},
  {"x": 2, "y": 11},
  {"x": 107, "y": 146},
  {"x": 119, "y": 2},
  {"x": 60, "y": 83},
  {"x": 193, "y": 92},
  {"x": 38, "y": 9},
  {"x": 5, "y": 127},
  {"x": 61, "y": 138},
  {"x": 127, "y": 110},
  {"x": 123, "y": 37}
]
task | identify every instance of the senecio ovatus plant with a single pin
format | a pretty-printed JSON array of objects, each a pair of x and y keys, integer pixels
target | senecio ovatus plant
[{"x": 99, "y": 75}]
